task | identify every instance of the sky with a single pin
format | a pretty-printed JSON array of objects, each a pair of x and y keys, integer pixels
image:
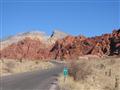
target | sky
[{"x": 75, "y": 17}]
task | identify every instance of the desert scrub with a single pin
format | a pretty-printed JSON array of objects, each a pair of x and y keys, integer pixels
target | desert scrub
[
  {"x": 92, "y": 74},
  {"x": 79, "y": 70},
  {"x": 71, "y": 84},
  {"x": 10, "y": 66}
]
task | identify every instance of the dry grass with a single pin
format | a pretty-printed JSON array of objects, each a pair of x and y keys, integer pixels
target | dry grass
[
  {"x": 93, "y": 74},
  {"x": 71, "y": 84},
  {"x": 8, "y": 67}
]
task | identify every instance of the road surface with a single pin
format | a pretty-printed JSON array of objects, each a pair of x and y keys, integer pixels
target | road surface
[{"x": 36, "y": 80}]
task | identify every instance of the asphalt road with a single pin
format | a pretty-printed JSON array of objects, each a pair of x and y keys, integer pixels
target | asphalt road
[{"x": 36, "y": 80}]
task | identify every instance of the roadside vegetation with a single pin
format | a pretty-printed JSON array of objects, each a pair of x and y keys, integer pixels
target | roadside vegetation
[
  {"x": 10, "y": 66},
  {"x": 92, "y": 74}
]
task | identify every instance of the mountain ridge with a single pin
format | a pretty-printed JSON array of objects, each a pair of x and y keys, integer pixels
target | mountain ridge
[{"x": 63, "y": 46}]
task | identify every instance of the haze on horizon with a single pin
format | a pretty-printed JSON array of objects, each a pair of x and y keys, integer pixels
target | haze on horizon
[{"x": 88, "y": 17}]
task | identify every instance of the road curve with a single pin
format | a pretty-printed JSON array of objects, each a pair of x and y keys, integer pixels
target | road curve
[{"x": 36, "y": 80}]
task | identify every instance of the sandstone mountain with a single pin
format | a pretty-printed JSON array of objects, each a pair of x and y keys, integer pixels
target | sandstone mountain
[
  {"x": 37, "y": 45},
  {"x": 36, "y": 35},
  {"x": 29, "y": 45}
]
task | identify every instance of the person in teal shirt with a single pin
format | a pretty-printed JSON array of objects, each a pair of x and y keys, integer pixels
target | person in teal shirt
[{"x": 65, "y": 72}]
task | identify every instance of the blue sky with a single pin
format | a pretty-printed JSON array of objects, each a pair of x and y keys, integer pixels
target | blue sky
[{"x": 87, "y": 17}]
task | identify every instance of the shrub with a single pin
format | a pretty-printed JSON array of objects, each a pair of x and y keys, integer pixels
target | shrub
[{"x": 79, "y": 71}]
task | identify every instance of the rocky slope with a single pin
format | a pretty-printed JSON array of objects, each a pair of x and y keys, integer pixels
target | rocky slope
[
  {"x": 27, "y": 49},
  {"x": 73, "y": 47},
  {"x": 29, "y": 45},
  {"x": 34, "y": 45},
  {"x": 36, "y": 35}
]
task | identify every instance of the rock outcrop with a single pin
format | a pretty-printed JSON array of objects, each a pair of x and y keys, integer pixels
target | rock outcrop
[
  {"x": 36, "y": 35},
  {"x": 73, "y": 47},
  {"x": 26, "y": 49},
  {"x": 29, "y": 45},
  {"x": 62, "y": 46}
]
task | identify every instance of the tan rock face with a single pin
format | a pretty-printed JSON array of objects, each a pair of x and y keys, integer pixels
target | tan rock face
[
  {"x": 70, "y": 47},
  {"x": 56, "y": 35}
]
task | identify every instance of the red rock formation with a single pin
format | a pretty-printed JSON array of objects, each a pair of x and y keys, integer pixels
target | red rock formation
[
  {"x": 70, "y": 47},
  {"x": 26, "y": 49},
  {"x": 73, "y": 47}
]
